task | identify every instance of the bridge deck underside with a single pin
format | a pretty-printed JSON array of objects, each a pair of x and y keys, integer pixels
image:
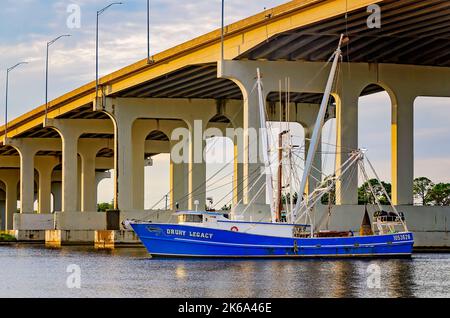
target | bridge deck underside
[{"x": 412, "y": 32}]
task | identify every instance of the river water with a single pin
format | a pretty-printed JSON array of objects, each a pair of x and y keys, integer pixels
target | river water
[{"x": 34, "y": 271}]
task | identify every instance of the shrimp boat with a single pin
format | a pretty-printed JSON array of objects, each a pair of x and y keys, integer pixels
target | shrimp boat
[{"x": 207, "y": 234}]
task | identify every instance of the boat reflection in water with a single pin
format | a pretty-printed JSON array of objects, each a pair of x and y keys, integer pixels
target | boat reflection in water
[{"x": 131, "y": 273}]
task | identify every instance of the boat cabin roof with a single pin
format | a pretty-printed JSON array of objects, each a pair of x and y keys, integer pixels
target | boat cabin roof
[{"x": 198, "y": 213}]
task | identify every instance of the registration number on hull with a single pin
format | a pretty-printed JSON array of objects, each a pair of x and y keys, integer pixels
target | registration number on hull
[{"x": 402, "y": 237}]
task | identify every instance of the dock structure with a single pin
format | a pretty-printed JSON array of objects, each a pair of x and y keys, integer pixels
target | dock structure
[{"x": 65, "y": 153}]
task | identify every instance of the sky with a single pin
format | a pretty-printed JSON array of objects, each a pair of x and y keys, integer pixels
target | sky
[{"x": 27, "y": 25}]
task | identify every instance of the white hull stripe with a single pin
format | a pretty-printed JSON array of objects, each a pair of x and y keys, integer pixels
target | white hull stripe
[
  {"x": 282, "y": 246},
  {"x": 285, "y": 256},
  {"x": 290, "y": 246}
]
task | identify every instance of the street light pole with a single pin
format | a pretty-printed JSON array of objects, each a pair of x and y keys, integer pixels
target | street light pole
[
  {"x": 46, "y": 71},
  {"x": 96, "y": 45},
  {"x": 223, "y": 31},
  {"x": 6, "y": 95},
  {"x": 148, "y": 32}
]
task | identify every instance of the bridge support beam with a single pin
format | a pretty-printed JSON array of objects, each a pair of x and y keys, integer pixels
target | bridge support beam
[
  {"x": 347, "y": 138},
  {"x": 57, "y": 196},
  {"x": 11, "y": 179},
  {"x": 402, "y": 144},
  {"x": 70, "y": 131},
  {"x": 316, "y": 173},
  {"x": 28, "y": 148},
  {"x": 179, "y": 172},
  {"x": 127, "y": 112},
  {"x": 45, "y": 166},
  {"x": 197, "y": 164}
]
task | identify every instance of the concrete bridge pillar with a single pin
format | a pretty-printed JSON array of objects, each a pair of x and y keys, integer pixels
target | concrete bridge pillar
[
  {"x": 140, "y": 130},
  {"x": 347, "y": 138},
  {"x": 11, "y": 179},
  {"x": 70, "y": 131},
  {"x": 69, "y": 172},
  {"x": 124, "y": 162},
  {"x": 197, "y": 163},
  {"x": 402, "y": 144},
  {"x": 45, "y": 166},
  {"x": 179, "y": 185},
  {"x": 3, "y": 210},
  {"x": 26, "y": 180},
  {"x": 57, "y": 196},
  {"x": 88, "y": 182}
]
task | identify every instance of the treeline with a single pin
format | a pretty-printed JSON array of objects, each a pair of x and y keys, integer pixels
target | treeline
[
  {"x": 426, "y": 193},
  {"x": 429, "y": 193},
  {"x": 103, "y": 207}
]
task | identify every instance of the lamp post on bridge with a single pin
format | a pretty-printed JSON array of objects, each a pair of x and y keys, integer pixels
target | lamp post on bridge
[
  {"x": 96, "y": 44},
  {"x": 222, "y": 36},
  {"x": 6, "y": 94},
  {"x": 149, "y": 57},
  {"x": 46, "y": 70}
]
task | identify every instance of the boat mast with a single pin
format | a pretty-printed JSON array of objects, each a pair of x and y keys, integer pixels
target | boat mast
[
  {"x": 265, "y": 144},
  {"x": 280, "y": 176},
  {"x": 318, "y": 126}
]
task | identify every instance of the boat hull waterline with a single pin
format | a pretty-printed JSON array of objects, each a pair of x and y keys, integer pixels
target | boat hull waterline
[{"x": 172, "y": 240}]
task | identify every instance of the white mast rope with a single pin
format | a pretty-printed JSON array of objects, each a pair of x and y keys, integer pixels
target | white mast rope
[
  {"x": 255, "y": 182},
  {"x": 327, "y": 216},
  {"x": 366, "y": 178},
  {"x": 263, "y": 187},
  {"x": 248, "y": 177},
  {"x": 320, "y": 192},
  {"x": 318, "y": 126}
]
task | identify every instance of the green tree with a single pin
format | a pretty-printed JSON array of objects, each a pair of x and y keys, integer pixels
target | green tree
[
  {"x": 422, "y": 187},
  {"x": 439, "y": 195},
  {"x": 103, "y": 207},
  {"x": 326, "y": 198},
  {"x": 365, "y": 196}
]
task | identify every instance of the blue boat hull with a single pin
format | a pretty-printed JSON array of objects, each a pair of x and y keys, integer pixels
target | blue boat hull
[{"x": 171, "y": 240}]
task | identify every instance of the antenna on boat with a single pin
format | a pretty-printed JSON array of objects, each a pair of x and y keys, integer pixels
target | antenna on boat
[{"x": 318, "y": 126}]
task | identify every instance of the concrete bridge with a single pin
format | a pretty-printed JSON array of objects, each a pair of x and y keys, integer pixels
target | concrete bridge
[{"x": 139, "y": 106}]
